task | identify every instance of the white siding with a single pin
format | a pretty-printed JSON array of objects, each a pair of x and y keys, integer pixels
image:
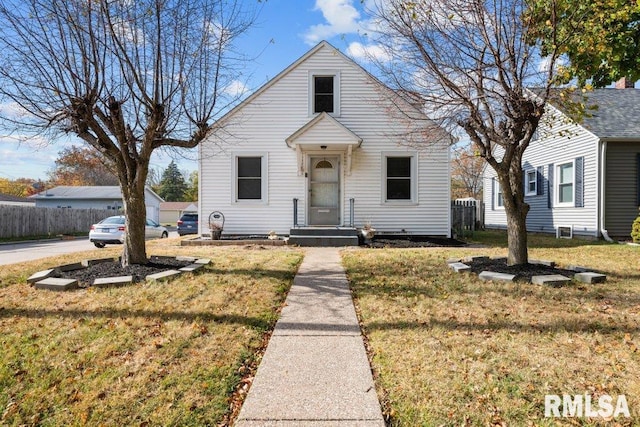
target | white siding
[
  {"x": 559, "y": 142},
  {"x": 262, "y": 125}
]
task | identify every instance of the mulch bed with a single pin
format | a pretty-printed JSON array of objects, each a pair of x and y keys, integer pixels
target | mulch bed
[
  {"x": 413, "y": 242},
  {"x": 86, "y": 276},
  {"x": 523, "y": 272}
]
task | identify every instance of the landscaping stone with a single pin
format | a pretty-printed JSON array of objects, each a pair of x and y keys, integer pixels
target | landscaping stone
[
  {"x": 590, "y": 277},
  {"x": 579, "y": 268},
  {"x": 542, "y": 262},
  {"x": 57, "y": 284},
  {"x": 496, "y": 277},
  {"x": 191, "y": 268},
  {"x": 90, "y": 262},
  {"x": 106, "y": 282},
  {"x": 203, "y": 261},
  {"x": 163, "y": 276},
  {"x": 40, "y": 275},
  {"x": 475, "y": 258},
  {"x": 459, "y": 267},
  {"x": 186, "y": 258},
  {"x": 71, "y": 267},
  {"x": 453, "y": 260},
  {"x": 555, "y": 280}
]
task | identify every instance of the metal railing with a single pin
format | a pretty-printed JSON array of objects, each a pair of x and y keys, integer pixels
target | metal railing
[
  {"x": 295, "y": 212},
  {"x": 352, "y": 209}
]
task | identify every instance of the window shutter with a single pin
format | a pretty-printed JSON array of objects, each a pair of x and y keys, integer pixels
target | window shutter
[
  {"x": 540, "y": 180},
  {"x": 550, "y": 187},
  {"x": 579, "y": 189},
  {"x": 493, "y": 194}
]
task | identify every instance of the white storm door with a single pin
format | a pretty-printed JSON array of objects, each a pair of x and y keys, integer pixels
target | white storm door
[{"x": 324, "y": 191}]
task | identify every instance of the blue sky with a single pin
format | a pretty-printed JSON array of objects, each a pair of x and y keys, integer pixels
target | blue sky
[{"x": 286, "y": 29}]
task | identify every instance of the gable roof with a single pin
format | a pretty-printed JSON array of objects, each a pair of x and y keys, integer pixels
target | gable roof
[
  {"x": 179, "y": 206},
  {"x": 283, "y": 73},
  {"x": 617, "y": 114},
  {"x": 326, "y": 125}
]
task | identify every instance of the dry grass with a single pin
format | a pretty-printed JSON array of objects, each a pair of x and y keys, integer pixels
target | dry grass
[
  {"x": 450, "y": 349},
  {"x": 147, "y": 354}
]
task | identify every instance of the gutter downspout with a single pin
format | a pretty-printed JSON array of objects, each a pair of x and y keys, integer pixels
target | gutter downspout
[{"x": 603, "y": 169}]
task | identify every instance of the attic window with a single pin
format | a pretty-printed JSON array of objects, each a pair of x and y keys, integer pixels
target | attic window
[{"x": 323, "y": 91}]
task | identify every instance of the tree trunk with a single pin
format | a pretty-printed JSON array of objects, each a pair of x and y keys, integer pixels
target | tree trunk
[
  {"x": 135, "y": 211},
  {"x": 516, "y": 211},
  {"x": 517, "y": 236}
]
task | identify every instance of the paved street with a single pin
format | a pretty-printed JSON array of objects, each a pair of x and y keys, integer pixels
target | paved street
[{"x": 28, "y": 251}]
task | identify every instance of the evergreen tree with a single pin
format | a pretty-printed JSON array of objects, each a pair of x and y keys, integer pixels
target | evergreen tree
[{"x": 172, "y": 186}]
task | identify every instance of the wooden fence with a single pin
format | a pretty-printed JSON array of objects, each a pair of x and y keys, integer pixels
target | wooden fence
[
  {"x": 467, "y": 216},
  {"x": 28, "y": 221}
]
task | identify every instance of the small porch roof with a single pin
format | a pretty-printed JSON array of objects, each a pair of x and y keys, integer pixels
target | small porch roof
[{"x": 323, "y": 132}]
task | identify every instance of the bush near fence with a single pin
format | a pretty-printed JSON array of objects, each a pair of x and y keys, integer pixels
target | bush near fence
[{"x": 28, "y": 221}]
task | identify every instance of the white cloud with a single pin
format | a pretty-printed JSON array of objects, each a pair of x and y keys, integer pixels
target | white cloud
[
  {"x": 341, "y": 17},
  {"x": 368, "y": 52},
  {"x": 236, "y": 89}
]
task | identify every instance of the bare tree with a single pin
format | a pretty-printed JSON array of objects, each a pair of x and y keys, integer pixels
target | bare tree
[
  {"x": 127, "y": 77},
  {"x": 467, "y": 169},
  {"x": 470, "y": 62}
]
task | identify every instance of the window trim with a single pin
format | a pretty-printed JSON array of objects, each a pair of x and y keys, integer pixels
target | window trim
[
  {"x": 413, "y": 156},
  {"x": 528, "y": 191},
  {"x": 498, "y": 196},
  {"x": 264, "y": 168},
  {"x": 557, "y": 184},
  {"x": 336, "y": 91}
]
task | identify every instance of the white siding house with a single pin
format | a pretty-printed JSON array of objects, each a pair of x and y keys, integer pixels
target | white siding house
[
  {"x": 324, "y": 132},
  {"x": 580, "y": 179}
]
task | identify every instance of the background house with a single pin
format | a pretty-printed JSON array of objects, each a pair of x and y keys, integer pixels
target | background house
[
  {"x": 323, "y": 145},
  {"x": 581, "y": 179},
  {"x": 94, "y": 197},
  {"x": 170, "y": 212},
  {"x": 7, "y": 199}
]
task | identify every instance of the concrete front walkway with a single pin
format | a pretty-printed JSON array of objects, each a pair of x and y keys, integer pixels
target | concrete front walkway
[{"x": 315, "y": 371}]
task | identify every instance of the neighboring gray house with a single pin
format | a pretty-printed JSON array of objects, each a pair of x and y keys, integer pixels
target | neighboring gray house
[
  {"x": 7, "y": 199},
  {"x": 89, "y": 197},
  {"x": 581, "y": 179},
  {"x": 322, "y": 145},
  {"x": 170, "y": 212}
]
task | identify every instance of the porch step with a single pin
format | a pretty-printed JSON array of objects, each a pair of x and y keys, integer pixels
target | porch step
[{"x": 323, "y": 236}]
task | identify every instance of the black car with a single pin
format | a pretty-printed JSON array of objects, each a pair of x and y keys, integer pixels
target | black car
[{"x": 188, "y": 224}]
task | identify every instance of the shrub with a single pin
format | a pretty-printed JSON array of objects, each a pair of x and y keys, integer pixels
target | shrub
[{"x": 635, "y": 230}]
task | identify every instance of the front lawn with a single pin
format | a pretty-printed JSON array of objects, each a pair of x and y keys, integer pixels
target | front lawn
[
  {"x": 144, "y": 355},
  {"x": 449, "y": 349}
]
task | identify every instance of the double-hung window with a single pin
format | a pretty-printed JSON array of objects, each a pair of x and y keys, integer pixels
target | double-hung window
[
  {"x": 250, "y": 176},
  {"x": 499, "y": 202},
  {"x": 531, "y": 183},
  {"x": 324, "y": 93},
  {"x": 565, "y": 183},
  {"x": 400, "y": 177}
]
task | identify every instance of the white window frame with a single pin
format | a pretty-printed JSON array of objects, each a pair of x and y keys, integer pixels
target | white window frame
[
  {"x": 564, "y": 232},
  {"x": 264, "y": 187},
  {"x": 528, "y": 181},
  {"x": 414, "y": 178},
  {"x": 498, "y": 196},
  {"x": 336, "y": 91},
  {"x": 557, "y": 184}
]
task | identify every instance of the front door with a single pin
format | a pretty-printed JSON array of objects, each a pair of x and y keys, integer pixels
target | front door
[{"x": 324, "y": 191}]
